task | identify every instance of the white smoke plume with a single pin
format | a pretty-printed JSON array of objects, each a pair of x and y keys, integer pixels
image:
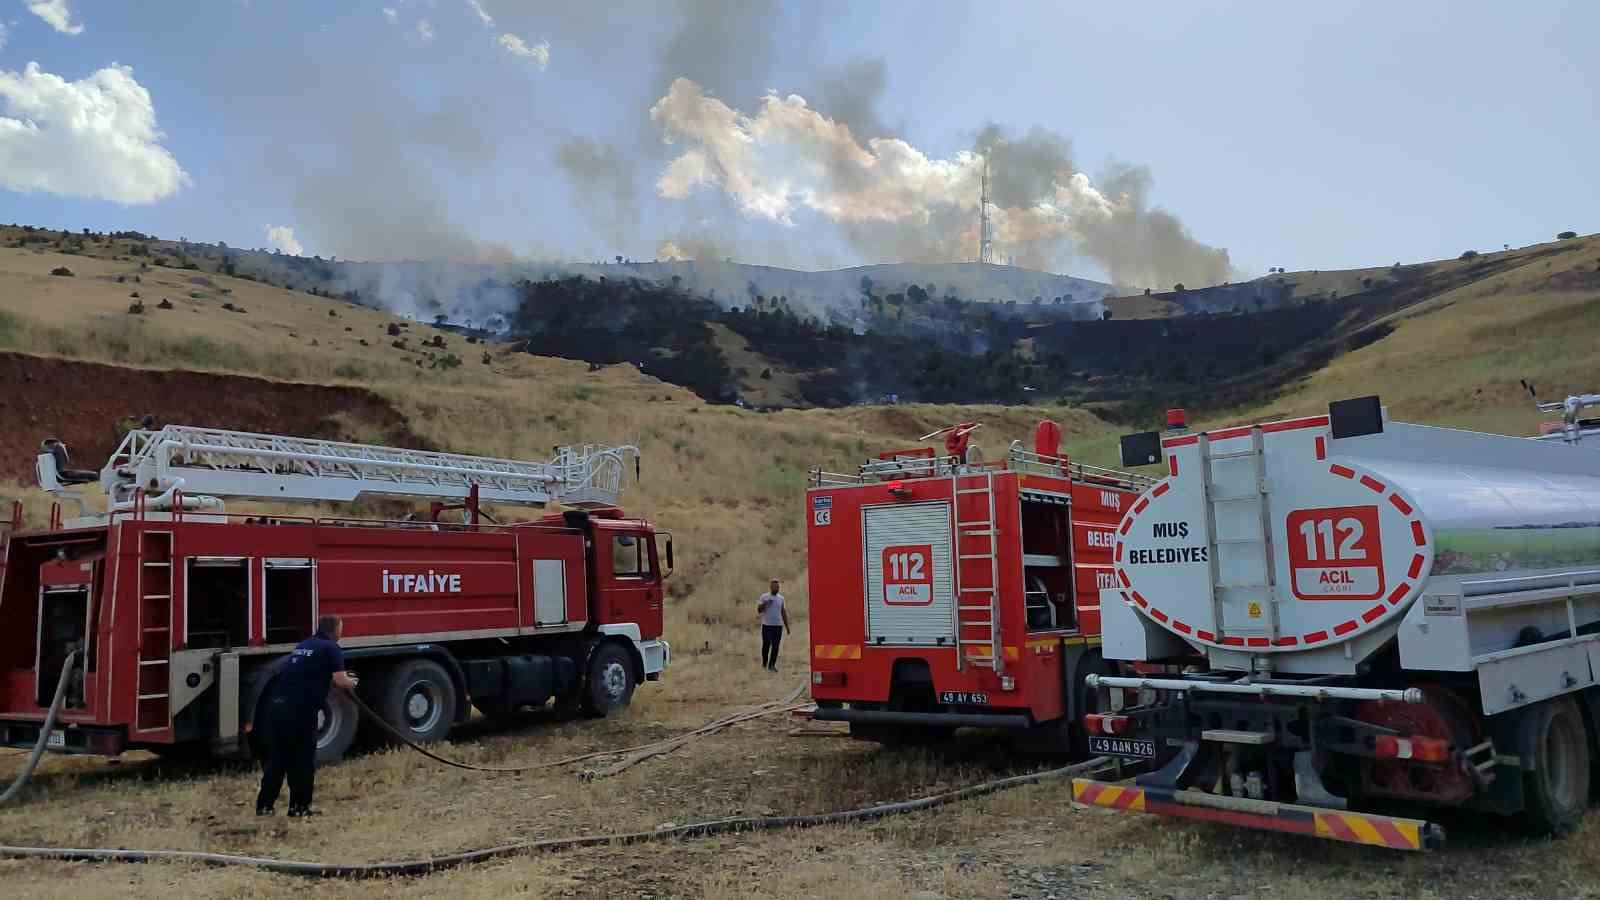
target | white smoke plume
[
  {"x": 893, "y": 200},
  {"x": 56, "y": 14},
  {"x": 538, "y": 54},
  {"x": 425, "y": 31},
  {"x": 483, "y": 17},
  {"x": 281, "y": 237},
  {"x": 392, "y": 15},
  {"x": 95, "y": 137}
]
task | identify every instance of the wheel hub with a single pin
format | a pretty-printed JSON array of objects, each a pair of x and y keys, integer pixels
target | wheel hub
[
  {"x": 614, "y": 681},
  {"x": 422, "y": 706}
]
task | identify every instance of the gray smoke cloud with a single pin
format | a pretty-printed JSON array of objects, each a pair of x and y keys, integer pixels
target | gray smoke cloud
[
  {"x": 603, "y": 185},
  {"x": 895, "y": 202},
  {"x": 850, "y": 94}
]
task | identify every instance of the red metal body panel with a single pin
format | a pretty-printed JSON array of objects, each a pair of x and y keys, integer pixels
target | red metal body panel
[{"x": 1033, "y": 659}]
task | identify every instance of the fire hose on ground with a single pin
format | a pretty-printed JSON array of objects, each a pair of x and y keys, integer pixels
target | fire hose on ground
[
  {"x": 44, "y": 731},
  {"x": 415, "y": 867}
]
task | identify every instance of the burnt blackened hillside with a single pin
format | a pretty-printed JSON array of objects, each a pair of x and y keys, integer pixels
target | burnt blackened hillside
[{"x": 661, "y": 330}]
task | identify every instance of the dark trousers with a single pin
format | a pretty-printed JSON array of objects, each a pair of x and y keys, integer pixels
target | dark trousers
[
  {"x": 771, "y": 637},
  {"x": 291, "y": 751}
]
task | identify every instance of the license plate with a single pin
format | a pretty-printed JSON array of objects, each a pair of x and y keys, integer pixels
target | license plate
[
  {"x": 1135, "y": 748},
  {"x": 58, "y": 739},
  {"x": 972, "y": 697}
]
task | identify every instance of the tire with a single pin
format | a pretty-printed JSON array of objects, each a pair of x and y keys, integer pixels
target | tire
[
  {"x": 336, "y": 726},
  {"x": 418, "y": 699},
  {"x": 609, "y": 683},
  {"x": 1555, "y": 792}
]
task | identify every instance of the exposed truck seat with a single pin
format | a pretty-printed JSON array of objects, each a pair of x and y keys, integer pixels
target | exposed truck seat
[{"x": 64, "y": 471}]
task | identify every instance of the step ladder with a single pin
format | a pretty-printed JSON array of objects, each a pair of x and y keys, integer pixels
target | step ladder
[
  {"x": 977, "y": 571},
  {"x": 1239, "y": 594},
  {"x": 220, "y": 463},
  {"x": 153, "y": 708}
]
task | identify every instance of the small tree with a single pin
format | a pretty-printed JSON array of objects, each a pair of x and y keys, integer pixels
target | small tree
[
  {"x": 1470, "y": 254},
  {"x": 1566, "y": 235},
  {"x": 1178, "y": 288}
]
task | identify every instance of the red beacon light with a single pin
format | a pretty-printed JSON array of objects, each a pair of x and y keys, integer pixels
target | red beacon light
[
  {"x": 899, "y": 489},
  {"x": 1177, "y": 420}
]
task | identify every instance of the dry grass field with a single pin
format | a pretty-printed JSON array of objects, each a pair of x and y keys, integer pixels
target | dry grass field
[{"x": 728, "y": 483}]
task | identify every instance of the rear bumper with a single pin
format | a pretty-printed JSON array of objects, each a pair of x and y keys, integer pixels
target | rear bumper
[
  {"x": 1339, "y": 825},
  {"x": 99, "y": 740},
  {"x": 947, "y": 720}
]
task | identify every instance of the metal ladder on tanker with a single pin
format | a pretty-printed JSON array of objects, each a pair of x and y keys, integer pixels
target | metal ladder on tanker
[
  {"x": 1265, "y": 590},
  {"x": 967, "y": 627}
]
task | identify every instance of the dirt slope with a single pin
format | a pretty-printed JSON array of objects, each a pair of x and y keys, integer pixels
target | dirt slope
[{"x": 80, "y": 403}]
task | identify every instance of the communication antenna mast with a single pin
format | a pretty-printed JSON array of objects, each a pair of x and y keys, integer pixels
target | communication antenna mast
[{"x": 985, "y": 231}]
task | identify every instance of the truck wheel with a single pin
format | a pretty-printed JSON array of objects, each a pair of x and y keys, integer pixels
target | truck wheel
[
  {"x": 336, "y": 727},
  {"x": 609, "y": 684},
  {"x": 1556, "y": 790},
  {"x": 418, "y": 699}
]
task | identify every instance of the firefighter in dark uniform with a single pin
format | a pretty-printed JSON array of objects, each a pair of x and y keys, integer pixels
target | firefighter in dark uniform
[{"x": 304, "y": 679}]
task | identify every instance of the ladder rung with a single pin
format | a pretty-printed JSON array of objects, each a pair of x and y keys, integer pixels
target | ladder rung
[
  {"x": 1237, "y": 498},
  {"x": 1237, "y": 454},
  {"x": 972, "y": 491},
  {"x": 970, "y": 531},
  {"x": 155, "y": 662},
  {"x": 986, "y": 589},
  {"x": 155, "y": 628},
  {"x": 157, "y": 596},
  {"x": 986, "y": 623},
  {"x": 161, "y": 564},
  {"x": 975, "y": 608},
  {"x": 977, "y": 556},
  {"x": 152, "y": 696}
]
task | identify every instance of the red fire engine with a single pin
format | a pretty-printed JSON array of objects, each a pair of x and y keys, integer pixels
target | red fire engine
[
  {"x": 949, "y": 591},
  {"x": 180, "y": 608}
]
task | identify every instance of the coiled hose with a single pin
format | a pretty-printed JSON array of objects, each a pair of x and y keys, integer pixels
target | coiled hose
[
  {"x": 44, "y": 731},
  {"x": 408, "y": 868}
]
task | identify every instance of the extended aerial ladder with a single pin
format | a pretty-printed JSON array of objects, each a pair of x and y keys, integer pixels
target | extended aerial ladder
[{"x": 185, "y": 468}]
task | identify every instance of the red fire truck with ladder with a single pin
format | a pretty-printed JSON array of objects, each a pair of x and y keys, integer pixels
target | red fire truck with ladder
[
  {"x": 1384, "y": 614},
  {"x": 949, "y": 591},
  {"x": 178, "y": 609}
]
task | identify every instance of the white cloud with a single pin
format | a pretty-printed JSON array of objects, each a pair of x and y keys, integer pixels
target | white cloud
[
  {"x": 425, "y": 30},
  {"x": 95, "y": 137},
  {"x": 56, "y": 13},
  {"x": 392, "y": 14},
  {"x": 538, "y": 54},
  {"x": 485, "y": 18},
  {"x": 897, "y": 201},
  {"x": 281, "y": 237}
]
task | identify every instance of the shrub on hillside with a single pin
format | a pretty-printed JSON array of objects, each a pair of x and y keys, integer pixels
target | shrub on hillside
[
  {"x": 136, "y": 307},
  {"x": 1566, "y": 235},
  {"x": 61, "y": 271},
  {"x": 1470, "y": 254}
]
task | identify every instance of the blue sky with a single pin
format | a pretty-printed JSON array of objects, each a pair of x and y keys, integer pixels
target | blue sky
[{"x": 1307, "y": 135}]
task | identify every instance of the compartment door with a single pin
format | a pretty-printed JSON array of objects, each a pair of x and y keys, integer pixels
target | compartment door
[{"x": 910, "y": 596}]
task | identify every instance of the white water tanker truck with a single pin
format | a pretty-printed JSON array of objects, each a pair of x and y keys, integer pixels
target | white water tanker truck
[{"x": 1340, "y": 613}]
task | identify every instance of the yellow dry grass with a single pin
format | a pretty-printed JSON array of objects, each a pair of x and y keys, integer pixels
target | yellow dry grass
[{"x": 729, "y": 484}]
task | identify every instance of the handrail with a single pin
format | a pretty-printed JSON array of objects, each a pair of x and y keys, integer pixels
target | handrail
[{"x": 938, "y": 466}]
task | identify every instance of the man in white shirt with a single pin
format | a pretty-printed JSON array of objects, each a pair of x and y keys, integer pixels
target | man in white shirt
[{"x": 774, "y": 618}]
